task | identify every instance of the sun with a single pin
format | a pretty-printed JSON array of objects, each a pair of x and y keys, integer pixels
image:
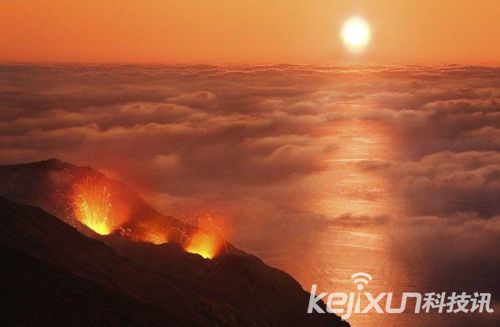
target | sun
[{"x": 355, "y": 34}]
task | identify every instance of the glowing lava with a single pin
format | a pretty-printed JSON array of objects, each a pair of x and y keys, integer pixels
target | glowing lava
[
  {"x": 207, "y": 240},
  {"x": 156, "y": 238},
  {"x": 92, "y": 206},
  {"x": 204, "y": 243}
]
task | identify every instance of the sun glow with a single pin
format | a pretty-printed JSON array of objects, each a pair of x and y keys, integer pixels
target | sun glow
[{"x": 355, "y": 34}]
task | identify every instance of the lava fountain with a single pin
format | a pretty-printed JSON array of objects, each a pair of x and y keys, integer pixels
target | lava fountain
[
  {"x": 207, "y": 240},
  {"x": 204, "y": 243},
  {"x": 92, "y": 206}
]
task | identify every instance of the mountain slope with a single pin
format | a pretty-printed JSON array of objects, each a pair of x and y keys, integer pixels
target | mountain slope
[
  {"x": 233, "y": 289},
  {"x": 36, "y": 293},
  {"x": 37, "y": 234}
]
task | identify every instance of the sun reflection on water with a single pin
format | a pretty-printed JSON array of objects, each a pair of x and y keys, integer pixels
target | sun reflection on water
[{"x": 354, "y": 197}]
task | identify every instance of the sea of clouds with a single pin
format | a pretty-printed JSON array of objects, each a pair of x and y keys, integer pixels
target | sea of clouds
[{"x": 249, "y": 140}]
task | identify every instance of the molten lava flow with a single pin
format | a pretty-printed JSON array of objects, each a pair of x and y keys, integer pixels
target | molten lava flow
[
  {"x": 205, "y": 243},
  {"x": 92, "y": 206}
]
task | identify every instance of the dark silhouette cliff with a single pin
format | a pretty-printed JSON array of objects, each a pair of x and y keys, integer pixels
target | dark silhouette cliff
[{"x": 55, "y": 274}]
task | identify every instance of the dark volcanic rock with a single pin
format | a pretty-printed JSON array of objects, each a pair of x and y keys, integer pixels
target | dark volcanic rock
[
  {"x": 37, "y": 234},
  {"x": 36, "y": 293},
  {"x": 159, "y": 283}
]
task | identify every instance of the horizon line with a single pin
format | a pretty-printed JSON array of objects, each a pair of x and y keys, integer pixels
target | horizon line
[{"x": 241, "y": 64}]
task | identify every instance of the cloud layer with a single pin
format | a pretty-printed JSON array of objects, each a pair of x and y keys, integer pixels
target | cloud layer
[{"x": 285, "y": 152}]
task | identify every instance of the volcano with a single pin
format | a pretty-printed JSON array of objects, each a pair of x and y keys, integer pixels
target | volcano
[{"x": 58, "y": 271}]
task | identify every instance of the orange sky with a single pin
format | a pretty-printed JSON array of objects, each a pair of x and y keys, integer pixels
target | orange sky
[{"x": 247, "y": 31}]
